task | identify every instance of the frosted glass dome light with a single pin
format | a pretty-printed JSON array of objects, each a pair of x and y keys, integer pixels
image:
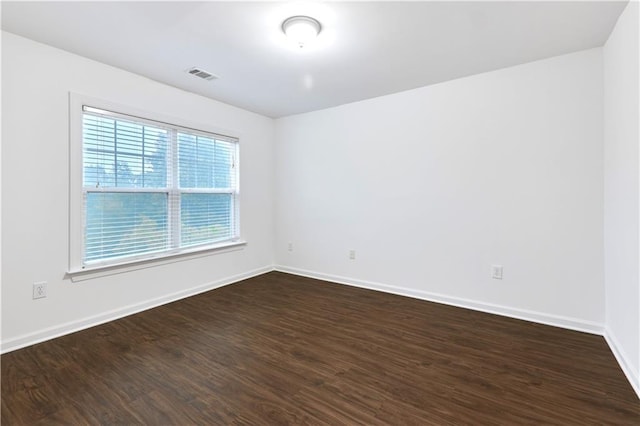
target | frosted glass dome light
[{"x": 301, "y": 29}]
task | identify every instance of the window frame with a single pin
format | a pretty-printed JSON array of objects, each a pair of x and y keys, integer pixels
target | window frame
[{"x": 77, "y": 267}]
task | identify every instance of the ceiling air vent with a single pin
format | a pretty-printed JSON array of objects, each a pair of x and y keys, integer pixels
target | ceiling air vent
[{"x": 202, "y": 74}]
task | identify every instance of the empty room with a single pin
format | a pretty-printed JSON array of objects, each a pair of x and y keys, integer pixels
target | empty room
[{"x": 375, "y": 213}]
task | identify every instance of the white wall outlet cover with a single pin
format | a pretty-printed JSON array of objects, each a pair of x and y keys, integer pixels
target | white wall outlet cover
[
  {"x": 496, "y": 272},
  {"x": 39, "y": 290}
]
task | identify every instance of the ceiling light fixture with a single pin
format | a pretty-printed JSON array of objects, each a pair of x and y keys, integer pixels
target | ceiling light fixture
[{"x": 301, "y": 29}]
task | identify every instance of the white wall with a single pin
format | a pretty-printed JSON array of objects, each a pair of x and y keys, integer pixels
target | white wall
[
  {"x": 432, "y": 186},
  {"x": 36, "y": 81},
  {"x": 429, "y": 186},
  {"x": 622, "y": 191}
]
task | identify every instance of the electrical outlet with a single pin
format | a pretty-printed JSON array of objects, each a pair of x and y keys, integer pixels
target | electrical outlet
[
  {"x": 290, "y": 247},
  {"x": 39, "y": 290},
  {"x": 496, "y": 272},
  {"x": 352, "y": 254}
]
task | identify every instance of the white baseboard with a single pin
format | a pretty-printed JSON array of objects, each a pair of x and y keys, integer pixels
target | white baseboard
[
  {"x": 623, "y": 361},
  {"x": 548, "y": 319},
  {"x": 538, "y": 317},
  {"x": 73, "y": 326}
]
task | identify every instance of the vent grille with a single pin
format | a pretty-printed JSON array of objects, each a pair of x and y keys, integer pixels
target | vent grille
[{"x": 202, "y": 74}]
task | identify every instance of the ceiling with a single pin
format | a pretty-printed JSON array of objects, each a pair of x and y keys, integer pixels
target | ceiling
[{"x": 365, "y": 49}]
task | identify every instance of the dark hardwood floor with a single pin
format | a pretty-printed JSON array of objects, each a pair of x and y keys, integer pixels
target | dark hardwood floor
[{"x": 281, "y": 349}]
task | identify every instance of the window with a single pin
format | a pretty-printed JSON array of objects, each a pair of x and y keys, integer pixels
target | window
[{"x": 148, "y": 188}]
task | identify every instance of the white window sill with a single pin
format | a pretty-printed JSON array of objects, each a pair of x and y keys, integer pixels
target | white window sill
[{"x": 97, "y": 271}]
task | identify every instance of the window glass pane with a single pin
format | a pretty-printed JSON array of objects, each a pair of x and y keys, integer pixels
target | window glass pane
[
  {"x": 194, "y": 173},
  {"x": 121, "y": 224},
  {"x": 123, "y": 154},
  {"x": 204, "y": 162},
  {"x": 223, "y": 158},
  {"x": 205, "y": 218}
]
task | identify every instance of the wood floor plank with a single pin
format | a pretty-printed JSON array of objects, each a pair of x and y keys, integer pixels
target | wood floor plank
[{"x": 282, "y": 349}]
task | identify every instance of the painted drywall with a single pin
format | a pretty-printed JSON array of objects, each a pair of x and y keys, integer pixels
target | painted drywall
[
  {"x": 622, "y": 191},
  {"x": 432, "y": 186},
  {"x": 429, "y": 187},
  {"x": 36, "y": 81}
]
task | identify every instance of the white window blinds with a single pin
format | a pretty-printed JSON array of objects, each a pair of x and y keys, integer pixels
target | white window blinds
[{"x": 151, "y": 188}]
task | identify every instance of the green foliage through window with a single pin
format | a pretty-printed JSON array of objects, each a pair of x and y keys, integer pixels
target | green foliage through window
[{"x": 139, "y": 200}]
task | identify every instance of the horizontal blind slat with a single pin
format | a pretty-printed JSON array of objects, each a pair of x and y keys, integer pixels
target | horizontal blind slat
[{"x": 125, "y": 155}]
